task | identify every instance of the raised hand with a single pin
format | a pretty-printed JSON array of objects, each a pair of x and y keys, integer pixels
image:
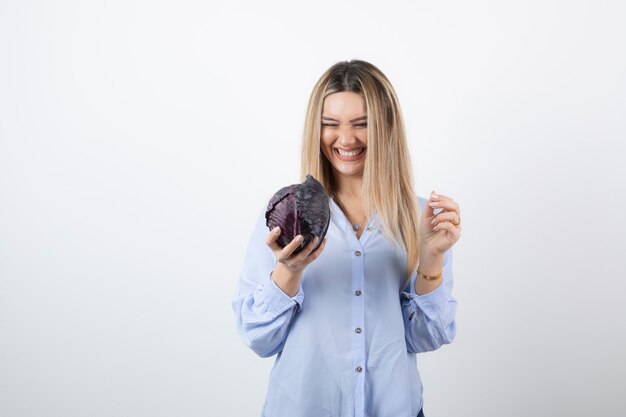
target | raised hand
[{"x": 438, "y": 232}]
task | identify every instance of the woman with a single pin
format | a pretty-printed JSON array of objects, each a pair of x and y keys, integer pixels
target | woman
[{"x": 347, "y": 319}]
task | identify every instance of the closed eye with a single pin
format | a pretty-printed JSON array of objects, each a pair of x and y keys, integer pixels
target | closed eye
[{"x": 335, "y": 125}]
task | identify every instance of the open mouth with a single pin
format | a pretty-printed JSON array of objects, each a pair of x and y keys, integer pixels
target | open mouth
[{"x": 351, "y": 155}]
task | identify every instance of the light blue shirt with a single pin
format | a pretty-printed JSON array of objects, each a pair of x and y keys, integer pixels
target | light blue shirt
[{"x": 346, "y": 342}]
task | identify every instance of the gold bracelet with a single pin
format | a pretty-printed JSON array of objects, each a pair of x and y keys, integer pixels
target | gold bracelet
[{"x": 429, "y": 278}]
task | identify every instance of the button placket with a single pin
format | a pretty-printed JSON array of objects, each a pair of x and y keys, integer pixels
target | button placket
[{"x": 358, "y": 322}]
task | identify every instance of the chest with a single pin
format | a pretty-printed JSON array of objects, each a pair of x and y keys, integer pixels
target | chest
[{"x": 353, "y": 262}]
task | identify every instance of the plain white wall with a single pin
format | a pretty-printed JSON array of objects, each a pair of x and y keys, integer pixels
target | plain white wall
[{"x": 140, "y": 140}]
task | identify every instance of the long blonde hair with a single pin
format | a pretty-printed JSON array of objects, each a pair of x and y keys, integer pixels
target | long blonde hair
[{"x": 388, "y": 175}]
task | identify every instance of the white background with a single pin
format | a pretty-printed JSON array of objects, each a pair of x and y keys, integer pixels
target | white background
[{"x": 140, "y": 140}]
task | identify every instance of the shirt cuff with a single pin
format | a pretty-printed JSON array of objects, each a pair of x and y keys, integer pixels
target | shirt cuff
[
  {"x": 277, "y": 297},
  {"x": 431, "y": 303}
]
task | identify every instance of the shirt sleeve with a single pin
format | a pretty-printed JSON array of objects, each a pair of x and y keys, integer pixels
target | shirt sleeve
[
  {"x": 262, "y": 310},
  {"x": 429, "y": 319}
]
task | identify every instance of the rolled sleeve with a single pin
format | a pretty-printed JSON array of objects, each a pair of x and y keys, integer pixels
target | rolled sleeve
[
  {"x": 281, "y": 299},
  {"x": 429, "y": 319},
  {"x": 263, "y": 311},
  {"x": 430, "y": 303}
]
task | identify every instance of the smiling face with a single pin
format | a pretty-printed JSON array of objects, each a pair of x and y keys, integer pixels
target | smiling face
[{"x": 344, "y": 133}]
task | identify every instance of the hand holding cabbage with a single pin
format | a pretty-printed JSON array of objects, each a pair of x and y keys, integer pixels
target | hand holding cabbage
[{"x": 298, "y": 216}]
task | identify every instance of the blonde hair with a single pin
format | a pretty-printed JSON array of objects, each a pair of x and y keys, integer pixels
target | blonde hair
[{"x": 388, "y": 175}]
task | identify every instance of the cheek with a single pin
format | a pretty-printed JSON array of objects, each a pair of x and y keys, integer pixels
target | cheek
[
  {"x": 327, "y": 151},
  {"x": 325, "y": 142},
  {"x": 326, "y": 138}
]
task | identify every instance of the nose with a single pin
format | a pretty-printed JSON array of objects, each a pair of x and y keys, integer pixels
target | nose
[{"x": 346, "y": 136}]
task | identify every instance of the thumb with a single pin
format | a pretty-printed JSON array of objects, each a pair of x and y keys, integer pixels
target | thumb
[{"x": 428, "y": 210}]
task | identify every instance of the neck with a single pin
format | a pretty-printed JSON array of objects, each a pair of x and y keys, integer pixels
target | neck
[
  {"x": 348, "y": 196},
  {"x": 349, "y": 187}
]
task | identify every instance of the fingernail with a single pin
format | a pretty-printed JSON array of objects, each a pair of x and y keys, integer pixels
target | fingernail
[
  {"x": 433, "y": 195},
  {"x": 299, "y": 238},
  {"x": 433, "y": 204},
  {"x": 433, "y": 221},
  {"x": 276, "y": 230}
]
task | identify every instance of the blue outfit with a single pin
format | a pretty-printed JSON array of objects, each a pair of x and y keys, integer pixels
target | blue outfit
[{"x": 346, "y": 342}]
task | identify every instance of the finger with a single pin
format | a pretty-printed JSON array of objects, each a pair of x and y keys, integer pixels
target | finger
[
  {"x": 307, "y": 250},
  {"x": 312, "y": 246},
  {"x": 271, "y": 239},
  {"x": 431, "y": 209},
  {"x": 450, "y": 216},
  {"x": 439, "y": 196},
  {"x": 288, "y": 250},
  {"x": 445, "y": 205},
  {"x": 450, "y": 228},
  {"x": 313, "y": 255}
]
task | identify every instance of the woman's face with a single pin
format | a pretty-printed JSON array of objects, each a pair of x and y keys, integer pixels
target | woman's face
[{"x": 344, "y": 132}]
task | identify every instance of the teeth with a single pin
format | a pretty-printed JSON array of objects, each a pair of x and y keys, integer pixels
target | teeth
[{"x": 352, "y": 153}]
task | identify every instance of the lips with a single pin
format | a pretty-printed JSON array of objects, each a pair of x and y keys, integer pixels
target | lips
[{"x": 349, "y": 155}]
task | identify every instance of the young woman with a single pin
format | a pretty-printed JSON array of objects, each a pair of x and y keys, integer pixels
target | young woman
[{"x": 347, "y": 319}]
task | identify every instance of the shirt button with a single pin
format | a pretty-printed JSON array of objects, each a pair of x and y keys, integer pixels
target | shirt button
[
  {"x": 359, "y": 369},
  {"x": 358, "y": 330},
  {"x": 369, "y": 228},
  {"x": 357, "y": 292},
  {"x": 357, "y": 253}
]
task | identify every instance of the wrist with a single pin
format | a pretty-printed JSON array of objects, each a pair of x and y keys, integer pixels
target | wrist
[
  {"x": 285, "y": 273},
  {"x": 429, "y": 274},
  {"x": 286, "y": 280},
  {"x": 430, "y": 264}
]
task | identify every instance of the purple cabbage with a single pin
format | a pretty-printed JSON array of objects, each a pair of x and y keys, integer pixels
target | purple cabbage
[{"x": 299, "y": 209}]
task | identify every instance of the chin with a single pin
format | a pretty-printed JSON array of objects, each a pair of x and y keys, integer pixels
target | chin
[{"x": 349, "y": 172}]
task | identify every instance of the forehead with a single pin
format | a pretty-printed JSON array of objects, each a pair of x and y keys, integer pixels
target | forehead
[{"x": 344, "y": 104}]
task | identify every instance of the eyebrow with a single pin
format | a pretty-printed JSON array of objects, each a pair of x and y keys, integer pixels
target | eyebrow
[{"x": 353, "y": 120}]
